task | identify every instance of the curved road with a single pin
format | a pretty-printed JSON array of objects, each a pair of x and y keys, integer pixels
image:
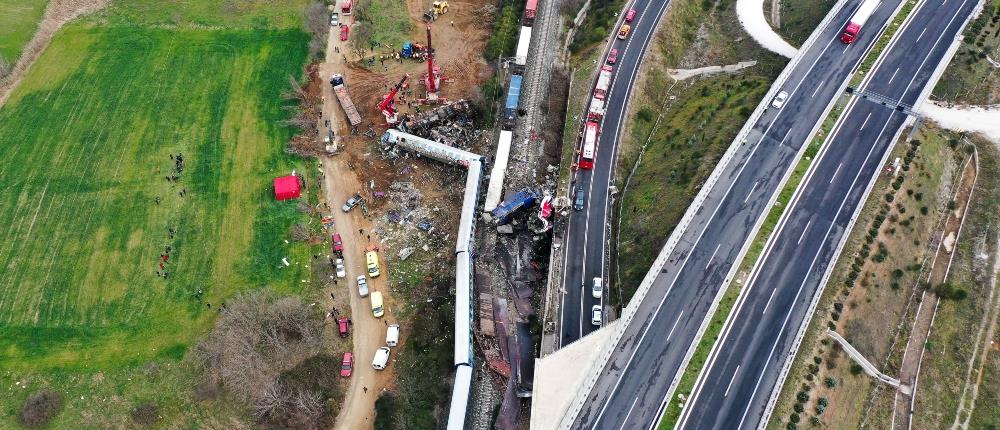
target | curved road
[
  {"x": 587, "y": 231},
  {"x": 631, "y": 390}
]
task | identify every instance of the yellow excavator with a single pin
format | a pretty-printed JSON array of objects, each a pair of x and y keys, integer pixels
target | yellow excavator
[{"x": 437, "y": 9}]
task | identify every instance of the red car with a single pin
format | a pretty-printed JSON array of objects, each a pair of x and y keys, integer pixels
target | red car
[
  {"x": 344, "y": 326},
  {"x": 345, "y": 32},
  {"x": 613, "y": 56},
  {"x": 338, "y": 245},
  {"x": 630, "y": 16},
  {"x": 347, "y": 364}
]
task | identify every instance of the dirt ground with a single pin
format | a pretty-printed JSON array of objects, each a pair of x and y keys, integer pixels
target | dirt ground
[{"x": 357, "y": 169}]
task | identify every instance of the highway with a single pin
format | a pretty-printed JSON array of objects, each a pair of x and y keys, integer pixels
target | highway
[
  {"x": 745, "y": 368},
  {"x": 631, "y": 390},
  {"x": 587, "y": 230}
]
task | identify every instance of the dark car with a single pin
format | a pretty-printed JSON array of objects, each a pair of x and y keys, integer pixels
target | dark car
[
  {"x": 613, "y": 56},
  {"x": 578, "y": 199}
]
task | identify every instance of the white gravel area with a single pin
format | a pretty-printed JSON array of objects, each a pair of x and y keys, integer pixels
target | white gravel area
[
  {"x": 751, "y": 15},
  {"x": 975, "y": 119}
]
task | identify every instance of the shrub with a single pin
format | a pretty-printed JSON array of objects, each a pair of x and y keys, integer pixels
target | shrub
[
  {"x": 145, "y": 415},
  {"x": 802, "y": 396},
  {"x": 830, "y": 382},
  {"x": 946, "y": 290},
  {"x": 40, "y": 407},
  {"x": 646, "y": 114},
  {"x": 799, "y": 408},
  {"x": 856, "y": 369},
  {"x": 794, "y": 417}
]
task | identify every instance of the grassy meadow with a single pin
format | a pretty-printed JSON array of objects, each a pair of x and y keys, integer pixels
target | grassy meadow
[
  {"x": 18, "y": 23},
  {"x": 87, "y": 140}
]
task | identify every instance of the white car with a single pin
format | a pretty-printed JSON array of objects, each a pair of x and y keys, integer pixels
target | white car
[
  {"x": 596, "y": 315},
  {"x": 341, "y": 273},
  {"x": 381, "y": 358},
  {"x": 598, "y": 288},
  {"x": 362, "y": 286},
  {"x": 779, "y": 100}
]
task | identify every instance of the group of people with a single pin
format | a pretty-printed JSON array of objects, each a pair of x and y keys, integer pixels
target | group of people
[{"x": 173, "y": 178}]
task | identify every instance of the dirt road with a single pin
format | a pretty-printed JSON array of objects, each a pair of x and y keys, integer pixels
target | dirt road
[{"x": 358, "y": 410}]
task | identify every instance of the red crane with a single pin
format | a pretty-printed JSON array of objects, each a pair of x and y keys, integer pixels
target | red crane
[
  {"x": 433, "y": 78},
  {"x": 388, "y": 104}
]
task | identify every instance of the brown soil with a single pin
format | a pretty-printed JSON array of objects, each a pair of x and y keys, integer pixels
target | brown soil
[
  {"x": 57, "y": 13},
  {"x": 459, "y": 54}
]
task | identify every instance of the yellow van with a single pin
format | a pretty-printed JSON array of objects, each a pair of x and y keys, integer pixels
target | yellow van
[
  {"x": 372, "y": 258},
  {"x": 377, "y": 309}
]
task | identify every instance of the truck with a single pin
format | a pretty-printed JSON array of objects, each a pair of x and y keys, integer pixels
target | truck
[
  {"x": 596, "y": 110},
  {"x": 529, "y": 10},
  {"x": 520, "y": 200},
  {"x": 346, "y": 6},
  {"x": 603, "y": 82},
  {"x": 513, "y": 95},
  {"x": 340, "y": 89},
  {"x": 858, "y": 20}
]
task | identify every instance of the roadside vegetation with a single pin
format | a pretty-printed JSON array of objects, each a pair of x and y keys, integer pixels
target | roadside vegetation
[
  {"x": 381, "y": 23},
  {"x": 18, "y": 23},
  {"x": 973, "y": 77},
  {"x": 799, "y": 18},
  {"x": 597, "y": 26},
  {"x": 94, "y": 133},
  {"x": 679, "y": 130},
  {"x": 874, "y": 291}
]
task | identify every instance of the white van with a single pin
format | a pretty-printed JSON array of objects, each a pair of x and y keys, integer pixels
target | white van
[
  {"x": 381, "y": 358},
  {"x": 392, "y": 335},
  {"x": 598, "y": 288}
]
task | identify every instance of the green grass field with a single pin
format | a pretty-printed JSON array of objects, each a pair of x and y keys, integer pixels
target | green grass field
[
  {"x": 86, "y": 141},
  {"x": 258, "y": 14},
  {"x": 18, "y": 22}
]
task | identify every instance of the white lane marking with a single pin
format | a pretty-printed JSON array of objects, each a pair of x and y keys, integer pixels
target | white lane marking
[
  {"x": 731, "y": 381},
  {"x": 817, "y": 89},
  {"x": 866, "y": 121},
  {"x": 769, "y": 301},
  {"x": 925, "y": 30},
  {"x": 802, "y": 285},
  {"x": 931, "y": 51},
  {"x": 713, "y": 256},
  {"x": 838, "y": 170},
  {"x": 892, "y": 77},
  {"x": 625, "y": 421},
  {"x": 671, "y": 332},
  {"x": 804, "y": 232},
  {"x": 751, "y": 191}
]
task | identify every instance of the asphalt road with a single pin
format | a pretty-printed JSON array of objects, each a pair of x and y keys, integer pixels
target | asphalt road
[
  {"x": 631, "y": 390},
  {"x": 745, "y": 369},
  {"x": 587, "y": 231}
]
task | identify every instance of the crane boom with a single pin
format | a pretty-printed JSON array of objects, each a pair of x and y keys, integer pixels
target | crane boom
[{"x": 431, "y": 84}]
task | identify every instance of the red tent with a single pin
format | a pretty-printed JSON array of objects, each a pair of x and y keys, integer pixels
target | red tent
[{"x": 287, "y": 187}]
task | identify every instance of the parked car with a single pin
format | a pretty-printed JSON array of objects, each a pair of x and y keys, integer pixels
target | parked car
[
  {"x": 338, "y": 244},
  {"x": 779, "y": 100},
  {"x": 351, "y": 203},
  {"x": 362, "y": 286},
  {"x": 347, "y": 364},
  {"x": 596, "y": 315},
  {"x": 377, "y": 309},
  {"x": 613, "y": 56},
  {"x": 630, "y": 16},
  {"x": 345, "y": 33},
  {"x": 381, "y": 358},
  {"x": 341, "y": 273},
  {"x": 392, "y": 335},
  {"x": 579, "y": 198},
  {"x": 623, "y": 32},
  {"x": 344, "y": 326},
  {"x": 334, "y": 19},
  {"x": 371, "y": 258},
  {"x": 598, "y": 289}
]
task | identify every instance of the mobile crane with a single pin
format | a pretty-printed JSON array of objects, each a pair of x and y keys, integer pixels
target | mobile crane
[{"x": 388, "y": 104}]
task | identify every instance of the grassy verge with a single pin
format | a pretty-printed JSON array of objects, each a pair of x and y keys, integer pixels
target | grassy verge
[
  {"x": 876, "y": 52},
  {"x": 18, "y": 23},
  {"x": 952, "y": 340},
  {"x": 986, "y": 414},
  {"x": 800, "y": 17},
  {"x": 970, "y": 78},
  {"x": 597, "y": 26},
  {"x": 89, "y": 136},
  {"x": 694, "y": 367},
  {"x": 383, "y": 22}
]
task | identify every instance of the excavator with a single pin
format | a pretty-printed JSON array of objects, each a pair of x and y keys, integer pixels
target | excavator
[
  {"x": 437, "y": 9},
  {"x": 388, "y": 104}
]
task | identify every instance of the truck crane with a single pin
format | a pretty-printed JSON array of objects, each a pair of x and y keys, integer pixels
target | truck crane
[
  {"x": 433, "y": 78},
  {"x": 388, "y": 104}
]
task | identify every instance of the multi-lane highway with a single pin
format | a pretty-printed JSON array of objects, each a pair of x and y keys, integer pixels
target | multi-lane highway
[
  {"x": 745, "y": 368},
  {"x": 631, "y": 389},
  {"x": 587, "y": 231}
]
